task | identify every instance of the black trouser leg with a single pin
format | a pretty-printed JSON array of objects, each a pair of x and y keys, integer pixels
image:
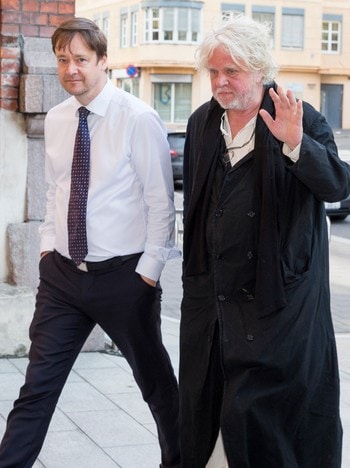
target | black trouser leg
[{"x": 130, "y": 315}]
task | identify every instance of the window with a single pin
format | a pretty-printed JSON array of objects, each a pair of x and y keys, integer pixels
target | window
[
  {"x": 168, "y": 24},
  {"x": 131, "y": 85},
  {"x": 229, "y": 10},
  {"x": 105, "y": 24},
  {"x": 172, "y": 96},
  {"x": 97, "y": 20},
  {"x": 262, "y": 15},
  {"x": 152, "y": 25},
  {"x": 134, "y": 28},
  {"x": 172, "y": 24},
  {"x": 123, "y": 31},
  {"x": 292, "y": 28},
  {"x": 121, "y": 79},
  {"x": 195, "y": 20},
  {"x": 331, "y": 33}
]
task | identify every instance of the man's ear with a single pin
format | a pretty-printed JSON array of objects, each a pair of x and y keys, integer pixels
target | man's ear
[{"x": 103, "y": 63}]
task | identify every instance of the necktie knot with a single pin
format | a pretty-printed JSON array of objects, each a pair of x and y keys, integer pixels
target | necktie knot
[{"x": 83, "y": 112}]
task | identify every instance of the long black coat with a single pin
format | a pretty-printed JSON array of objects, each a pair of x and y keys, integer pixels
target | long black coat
[{"x": 257, "y": 347}]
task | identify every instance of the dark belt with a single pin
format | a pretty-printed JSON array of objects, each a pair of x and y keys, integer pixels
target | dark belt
[{"x": 105, "y": 264}]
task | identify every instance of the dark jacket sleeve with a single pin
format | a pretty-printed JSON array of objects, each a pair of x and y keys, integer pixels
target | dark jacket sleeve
[{"x": 319, "y": 167}]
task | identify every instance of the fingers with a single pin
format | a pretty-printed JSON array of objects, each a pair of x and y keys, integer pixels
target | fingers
[
  {"x": 284, "y": 100},
  {"x": 286, "y": 125},
  {"x": 266, "y": 117}
]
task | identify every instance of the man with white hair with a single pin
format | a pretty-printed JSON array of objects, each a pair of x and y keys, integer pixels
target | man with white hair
[{"x": 258, "y": 360}]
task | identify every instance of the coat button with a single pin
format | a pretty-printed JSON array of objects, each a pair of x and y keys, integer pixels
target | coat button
[
  {"x": 250, "y": 255},
  {"x": 219, "y": 257},
  {"x": 251, "y": 214},
  {"x": 250, "y": 337},
  {"x": 246, "y": 295},
  {"x": 219, "y": 213},
  {"x": 221, "y": 298}
]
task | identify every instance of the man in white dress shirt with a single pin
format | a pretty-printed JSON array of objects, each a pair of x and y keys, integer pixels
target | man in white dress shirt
[{"x": 130, "y": 235}]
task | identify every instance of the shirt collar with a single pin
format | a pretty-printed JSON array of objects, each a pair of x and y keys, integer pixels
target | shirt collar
[
  {"x": 100, "y": 103},
  {"x": 226, "y": 131}
]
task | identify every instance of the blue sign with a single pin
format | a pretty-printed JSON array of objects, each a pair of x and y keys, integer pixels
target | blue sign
[{"x": 132, "y": 71}]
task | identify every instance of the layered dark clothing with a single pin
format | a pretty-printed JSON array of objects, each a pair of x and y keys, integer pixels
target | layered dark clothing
[{"x": 257, "y": 347}]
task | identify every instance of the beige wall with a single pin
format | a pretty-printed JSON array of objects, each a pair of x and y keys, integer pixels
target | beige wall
[{"x": 303, "y": 70}]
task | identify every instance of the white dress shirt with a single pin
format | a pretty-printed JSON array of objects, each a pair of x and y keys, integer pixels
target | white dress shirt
[{"x": 131, "y": 198}]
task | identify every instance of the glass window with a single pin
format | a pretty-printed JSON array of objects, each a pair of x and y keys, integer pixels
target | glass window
[
  {"x": 182, "y": 106},
  {"x": 331, "y": 36},
  {"x": 168, "y": 24},
  {"x": 155, "y": 24},
  {"x": 293, "y": 31},
  {"x": 195, "y": 25},
  {"x": 97, "y": 20},
  {"x": 182, "y": 23},
  {"x": 172, "y": 101},
  {"x": 134, "y": 28},
  {"x": 105, "y": 25},
  {"x": 231, "y": 11},
  {"x": 123, "y": 31},
  {"x": 172, "y": 24},
  {"x": 131, "y": 85},
  {"x": 269, "y": 20}
]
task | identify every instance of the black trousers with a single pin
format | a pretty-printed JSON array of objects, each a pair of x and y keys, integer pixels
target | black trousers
[{"x": 68, "y": 305}]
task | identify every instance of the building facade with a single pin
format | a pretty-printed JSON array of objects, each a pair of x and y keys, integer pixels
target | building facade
[{"x": 152, "y": 46}]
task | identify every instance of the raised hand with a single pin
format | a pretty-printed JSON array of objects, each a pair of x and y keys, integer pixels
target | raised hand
[{"x": 287, "y": 125}]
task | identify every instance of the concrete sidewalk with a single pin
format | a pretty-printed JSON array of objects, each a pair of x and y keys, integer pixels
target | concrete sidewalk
[{"x": 101, "y": 420}]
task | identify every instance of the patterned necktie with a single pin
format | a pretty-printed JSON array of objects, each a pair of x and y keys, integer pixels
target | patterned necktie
[{"x": 77, "y": 241}]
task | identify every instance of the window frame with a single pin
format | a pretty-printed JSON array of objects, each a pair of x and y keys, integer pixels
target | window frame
[
  {"x": 165, "y": 15},
  {"x": 329, "y": 41},
  {"x": 105, "y": 24},
  {"x": 134, "y": 28},
  {"x": 259, "y": 13},
  {"x": 292, "y": 38},
  {"x": 171, "y": 84},
  {"x": 124, "y": 31}
]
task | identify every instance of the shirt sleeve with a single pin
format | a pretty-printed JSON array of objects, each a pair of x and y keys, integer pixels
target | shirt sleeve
[
  {"x": 152, "y": 162},
  {"x": 47, "y": 230}
]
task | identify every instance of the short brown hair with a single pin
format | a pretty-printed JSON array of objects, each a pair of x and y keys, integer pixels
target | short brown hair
[{"x": 87, "y": 29}]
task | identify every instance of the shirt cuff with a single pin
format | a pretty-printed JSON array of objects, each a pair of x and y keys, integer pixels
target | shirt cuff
[
  {"x": 151, "y": 267},
  {"x": 291, "y": 154},
  {"x": 47, "y": 244}
]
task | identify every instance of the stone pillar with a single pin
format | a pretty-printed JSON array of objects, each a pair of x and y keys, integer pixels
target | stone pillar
[
  {"x": 29, "y": 87},
  {"x": 39, "y": 91}
]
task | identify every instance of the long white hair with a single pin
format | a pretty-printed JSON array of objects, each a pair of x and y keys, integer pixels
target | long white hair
[{"x": 248, "y": 43}]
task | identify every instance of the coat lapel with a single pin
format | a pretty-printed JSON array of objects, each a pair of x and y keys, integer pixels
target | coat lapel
[{"x": 210, "y": 148}]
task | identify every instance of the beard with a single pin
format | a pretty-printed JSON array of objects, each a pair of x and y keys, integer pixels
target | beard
[{"x": 237, "y": 102}]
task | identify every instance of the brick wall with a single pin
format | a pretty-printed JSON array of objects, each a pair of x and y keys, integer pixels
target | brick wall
[{"x": 24, "y": 18}]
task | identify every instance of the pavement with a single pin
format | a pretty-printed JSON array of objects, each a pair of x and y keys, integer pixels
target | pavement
[{"x": 101, "y": 420}]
